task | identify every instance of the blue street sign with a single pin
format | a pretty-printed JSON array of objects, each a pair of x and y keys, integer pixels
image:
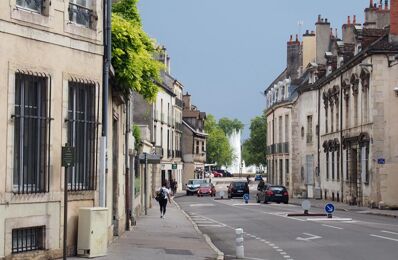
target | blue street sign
[
  {"x": 329, "y": 208},
  {"x": 381, "y": 161},
  {"x": 246, "y": 197}
]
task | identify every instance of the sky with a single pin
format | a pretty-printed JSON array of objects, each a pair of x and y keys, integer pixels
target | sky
[{"x": 226, "y": 52}]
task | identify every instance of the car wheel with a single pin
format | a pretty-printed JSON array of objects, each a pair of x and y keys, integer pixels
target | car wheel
[
  {"x": 286, "y": 202},
  {"x": 279, "y": 202},
  {"x": 265, "y": 201},
  {"x": 187, "y": 193}
]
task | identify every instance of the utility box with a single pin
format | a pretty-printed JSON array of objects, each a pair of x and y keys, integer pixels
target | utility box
[{"x": 92, "y": 237}]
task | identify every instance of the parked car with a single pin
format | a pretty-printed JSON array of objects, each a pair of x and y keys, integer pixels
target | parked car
[
  {"x": 225, "y": 173},
  {"x": 276, "y": 194},
  {"x": 238, "y": 189},
  {"x": 193, "y": 185},
  {"x": 217, "y": 174},
  {"x": 209, "y": 175},
  {"x": 207, "y": 189},
  {"x": 258, "y": 177}
]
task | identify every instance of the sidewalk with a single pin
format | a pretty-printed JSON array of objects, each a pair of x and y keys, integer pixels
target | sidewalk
[
  {"x": 154, "y": 238},
  {"x": 320, "y": 204}
]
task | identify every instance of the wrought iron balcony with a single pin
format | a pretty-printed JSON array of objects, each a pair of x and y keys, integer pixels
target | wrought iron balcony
[
  {"x": 179, "y": 103},
  {"x": 81, "y": 15}
]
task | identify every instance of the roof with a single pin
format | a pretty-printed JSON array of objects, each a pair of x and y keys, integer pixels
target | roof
[
  {"x": 193, "y": 130},
  {"x": 281, "y": 76}
]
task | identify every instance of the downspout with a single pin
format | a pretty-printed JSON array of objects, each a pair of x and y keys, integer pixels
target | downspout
[
  {"x": 341, "y": 140},
  {"x": 318, "y": 130},
  {"x": 126, "y": 163},
  {"x": 273, "y": 145},
  {"x": 105, "y": 90}
]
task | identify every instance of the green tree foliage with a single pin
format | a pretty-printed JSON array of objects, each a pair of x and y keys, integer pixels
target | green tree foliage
[
  {"x": 133, "y": 52},
  {"x": 218, "y": 149},
  {"x": 254, "y": 149},
  {"x": 228, "y": 125},
  {"x": 137, "y": 136}
]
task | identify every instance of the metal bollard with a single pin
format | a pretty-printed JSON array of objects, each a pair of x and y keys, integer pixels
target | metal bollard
[{"x": 240, "y": 250}]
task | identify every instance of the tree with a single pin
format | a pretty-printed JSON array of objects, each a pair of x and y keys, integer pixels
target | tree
[
  {"x": 133, "y": 52},
  {"x": 218, "y": 149},
  {"x": 255, "y": 148},
  {"x": 228, "y": 125}
]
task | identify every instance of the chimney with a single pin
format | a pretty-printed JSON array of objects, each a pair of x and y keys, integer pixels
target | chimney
[
  {"x": 309, "y": 47},
  {"x": 354, "y": 20},
  {"x": 294, "y": 60},
  {"x": 394, "y": 22},
  {"x": 386, "y": 5},
  {"x": 322, "y": 40},
  {"x": 349, "y": 20},
  {"x": 187, "y": 101},
  {"x": 371, "y": 4}
]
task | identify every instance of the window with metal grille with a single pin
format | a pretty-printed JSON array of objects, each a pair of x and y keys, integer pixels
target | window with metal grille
[
  {"x": 28, "y": 239},
  {"x": 31, "y": 5},
  {"x": 83, "y": 135},
  {"x": 81, "y": 12},
  {"x": 31, "y": 134}
]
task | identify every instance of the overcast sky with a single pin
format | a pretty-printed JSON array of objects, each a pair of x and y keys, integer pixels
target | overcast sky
[{"x": 225, "y": 52}]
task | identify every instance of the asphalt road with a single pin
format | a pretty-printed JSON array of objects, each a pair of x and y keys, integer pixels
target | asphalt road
[{"x": 270, "y": 234}]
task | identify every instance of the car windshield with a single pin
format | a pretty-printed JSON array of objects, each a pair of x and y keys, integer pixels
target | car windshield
[
  {"x": 196, "y": 182},
  {"x": 239, "y": 185},
  {"x": 205, "y": 185},
  {"x": 277, "y": 188}
]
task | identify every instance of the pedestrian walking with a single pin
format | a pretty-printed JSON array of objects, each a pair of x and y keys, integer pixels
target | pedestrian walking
[{"x": 163, "y": 197}]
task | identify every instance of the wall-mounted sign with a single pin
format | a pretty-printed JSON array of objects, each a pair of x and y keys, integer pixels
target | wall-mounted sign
[{"x": 381, "y": 161}]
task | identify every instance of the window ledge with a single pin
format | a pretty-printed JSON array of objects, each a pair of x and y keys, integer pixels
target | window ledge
[
  {"x": 80, "y": 30},
  {"x": 28, "y": 16}
]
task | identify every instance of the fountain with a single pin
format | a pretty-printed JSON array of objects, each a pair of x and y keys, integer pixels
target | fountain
[{"x": 235, "y": 142}]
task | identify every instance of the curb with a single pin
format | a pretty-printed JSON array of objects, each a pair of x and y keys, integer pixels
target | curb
[{"x": 220, "y": 255}]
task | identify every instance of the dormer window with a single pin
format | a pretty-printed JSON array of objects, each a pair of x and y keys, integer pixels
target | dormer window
[{"x": 30, "y": 5}]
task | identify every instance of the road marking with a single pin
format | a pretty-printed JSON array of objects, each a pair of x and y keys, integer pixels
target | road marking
[
  {"x": 244, "y": 204},
  {"x": 202, "y": 205},
  {"x": 389, "y": 232},
  {"x": 209, "y": 225},
  {"x": 388, "y": 238},
  {"x": 311, "y": 237},
  {"x": 279, "y": 250},
  {"x": 329, "y": 219},
  {"x": 331, "y": 226}
]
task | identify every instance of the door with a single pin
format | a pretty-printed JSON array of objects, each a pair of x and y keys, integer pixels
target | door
[
  {"x": 309, "y": 163},
  {"x": 354, "y": 176}
]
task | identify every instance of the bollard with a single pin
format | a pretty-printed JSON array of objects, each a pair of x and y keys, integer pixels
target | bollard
[{"x": 240, "y": 250}]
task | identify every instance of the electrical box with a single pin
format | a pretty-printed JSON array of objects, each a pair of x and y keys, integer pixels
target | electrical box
[{"x": 92, "y": 237}]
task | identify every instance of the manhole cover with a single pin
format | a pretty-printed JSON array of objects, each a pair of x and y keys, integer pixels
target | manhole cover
[{"x": 178, "y": 252}]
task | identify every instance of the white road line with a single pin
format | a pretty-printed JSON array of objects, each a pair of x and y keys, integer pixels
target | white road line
[
  {"x": 209, "y": 225},
  {"x": 329, "y": 219},
  {"x": 286, "y": 256},
  {"x": 388, "y": 238},
  {"x": 389, "y": 232},
  {"x": 283, "y": 253},
  {"x": 311, "y": 237},
  {"x": 279, "y": 250},
  {"x": 331, "y": 226}
]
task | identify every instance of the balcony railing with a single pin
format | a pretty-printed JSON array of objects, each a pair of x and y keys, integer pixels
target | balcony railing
[
  {"x": 178, "y": 127},
  {"x": 285, "y": 147},
  {"x": 81, "y": 15}
]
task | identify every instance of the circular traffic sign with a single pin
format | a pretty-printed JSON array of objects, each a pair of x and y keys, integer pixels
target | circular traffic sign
[
  {"x": 306, "y": 205},
  {"x": 246, "y": 197},
  {"x": 329, "y": 208}
]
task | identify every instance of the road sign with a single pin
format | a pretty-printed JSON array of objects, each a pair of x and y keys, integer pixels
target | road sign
[
  {"x": 306, "y": 205},
  {"x": 68, "y": 156},
  {"x": 329, "y": 208},
  {"x": 246, "y": 197},
  {"x": 381, "y": 161},
  {"x": 174, "y": 166}
]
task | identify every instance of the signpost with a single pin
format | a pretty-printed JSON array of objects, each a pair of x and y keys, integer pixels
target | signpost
[
  {"x": 174, "y": 166},
  {"x": 146, "y": 158},
  {"x": 68, "y": 160},
  {"x": 329, "y": 209},
  {"x": 306, "y": 205},
  {"x": 246, "y": 197}
]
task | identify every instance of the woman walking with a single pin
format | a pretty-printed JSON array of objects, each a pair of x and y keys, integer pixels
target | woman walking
[{"x": 163, "y": 197}]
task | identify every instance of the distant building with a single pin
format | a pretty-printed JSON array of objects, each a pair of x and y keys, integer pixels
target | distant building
[{"x": 194, "y": 141}]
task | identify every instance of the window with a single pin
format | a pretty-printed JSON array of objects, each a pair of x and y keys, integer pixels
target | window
[
  {"x": 280, "y": 130},
  {"x": 28, "y": 239},
  {"x": 31, "y": 5},
  {"x": 333, "y": 165},
  {"x": 82, "y": 134},
  {"x": 365, "y": 163},
  {"x": 203, "y": 146},
  {"x": 331, "y": 119},
  {"x": 197, "y": 147},
  {"x": 154, "y": 134},
  {"x": 286, "y": 128},
  {"x": 338, "y": 163},
  {"x": 326, "y": 120},
  {"x": 31, "y": 134},
  {"x": 337, "y": 116},
  {"x": 80, "y": 12},
  {"x": 309, "y": 129},
  {"x": 327, "y": 165}
]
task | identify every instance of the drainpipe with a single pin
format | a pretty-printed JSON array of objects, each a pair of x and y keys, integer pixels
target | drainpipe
[
  {"x": 341, "y": 140},
  {"x": 105, "y": 90},
  {"x": 319, "y": 139},
  {"x": 126, "y": 163},
  {"x": 273, "y": 144}
]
